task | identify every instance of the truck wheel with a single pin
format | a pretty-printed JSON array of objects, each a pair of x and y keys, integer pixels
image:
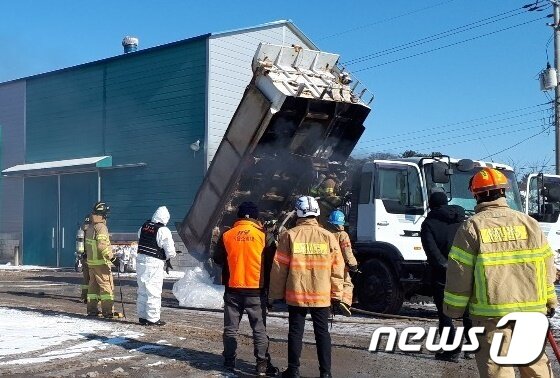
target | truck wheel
[{"x": 380, "y": 290}]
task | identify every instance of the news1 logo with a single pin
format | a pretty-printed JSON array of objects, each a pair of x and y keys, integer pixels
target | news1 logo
[{"x": 526, "y": 344}]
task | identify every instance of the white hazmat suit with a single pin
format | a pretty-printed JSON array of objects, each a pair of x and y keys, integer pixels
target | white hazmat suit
[{"x": 149, "y": 270}]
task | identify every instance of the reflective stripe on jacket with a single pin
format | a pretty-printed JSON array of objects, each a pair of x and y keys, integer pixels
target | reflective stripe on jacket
[
  {"x": 97, "y": 243},
  {"x": 500, "y": 262},
  {"x": 308, "y": 268},
  {"x": 244, "y": 244}
]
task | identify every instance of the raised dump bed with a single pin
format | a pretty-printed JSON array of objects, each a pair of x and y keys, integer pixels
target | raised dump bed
[{"x": 299, "y": 118}]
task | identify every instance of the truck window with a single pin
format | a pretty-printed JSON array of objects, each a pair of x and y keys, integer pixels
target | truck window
[
  {"x": 365, "y": 187},
  {"x": 398, "y": 186}
]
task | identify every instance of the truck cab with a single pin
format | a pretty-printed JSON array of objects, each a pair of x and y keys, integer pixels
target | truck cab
[
  {"x": 542, "y": 202},
  {"x": 392, "y": 202}
]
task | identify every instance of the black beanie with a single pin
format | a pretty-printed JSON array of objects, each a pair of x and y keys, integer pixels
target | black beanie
[
  {"x": 248, "y": 210},
  {"x": 437, "y": 199}
]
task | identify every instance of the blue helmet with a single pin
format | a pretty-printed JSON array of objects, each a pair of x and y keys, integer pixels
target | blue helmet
[{"x": 337, "y": 217}]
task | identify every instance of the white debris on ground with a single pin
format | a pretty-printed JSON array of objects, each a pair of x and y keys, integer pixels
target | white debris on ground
[
  {"x": 197, "y": 289},
  {"x": 26, "y": 332}
]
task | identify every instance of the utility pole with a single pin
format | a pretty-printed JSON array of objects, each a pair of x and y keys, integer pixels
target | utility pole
[{"x": 556, "y": 27}]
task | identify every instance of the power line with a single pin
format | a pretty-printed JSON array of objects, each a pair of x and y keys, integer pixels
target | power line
[
  {"x": 448, "y": 126},
  {"x": 438, "y": 36},
  {"x": 450, "y": 131},
  {"x": 459, "y": 140},
  {"x": 385, "y": 20},
  {"x": 518, "y": 143},
  {"x": 449, "y": 45}
]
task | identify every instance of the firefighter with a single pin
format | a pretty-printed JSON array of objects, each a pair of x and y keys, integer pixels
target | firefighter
[
  {"x": 155, "y": 248},
  {"x": 308, "y": 272},
  {"x": 243, "y": 254},
  {"x": 335, "y": 225},
  {"x": 99, "y": 259},
  {"x": 328, "y": 198},
  {"x": 83, "y": 257},
  {"x": 500, "y": 263}
]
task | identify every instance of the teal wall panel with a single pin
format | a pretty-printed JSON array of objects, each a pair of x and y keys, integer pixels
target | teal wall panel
[
  {"x": 65, "y": 115},
  {"x": 145, "y": 107},
  {"x": 155, "y": 108}
]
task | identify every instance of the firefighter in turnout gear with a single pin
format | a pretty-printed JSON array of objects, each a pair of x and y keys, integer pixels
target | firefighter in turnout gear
[
  {"x": 328, "y": 199},
  {"x": 335, "y": 225},
  {"x": 155, "y": 248},
  {"x": 308, "y": 272},
  {"x": 80, "y": 250},
  {"x": 500, "y": 262},
  {"x": 99, "y": 257}
]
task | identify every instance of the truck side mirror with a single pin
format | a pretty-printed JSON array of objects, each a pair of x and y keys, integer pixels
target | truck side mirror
[{"x": 440, "y": 172}]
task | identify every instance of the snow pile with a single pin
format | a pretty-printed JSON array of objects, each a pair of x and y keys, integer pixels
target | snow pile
[
  {"x": 196, "y": 289},
  {"x": 54, "y": 337},
  {"x": 24, "y": 332}
]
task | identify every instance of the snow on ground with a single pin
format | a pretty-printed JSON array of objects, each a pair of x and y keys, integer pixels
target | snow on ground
[
  {"x": 9, "y": 266},
  {"x": 26, "y": 332}
]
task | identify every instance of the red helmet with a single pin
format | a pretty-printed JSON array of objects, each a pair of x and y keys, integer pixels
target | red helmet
[{"x": 488, "y": 179}]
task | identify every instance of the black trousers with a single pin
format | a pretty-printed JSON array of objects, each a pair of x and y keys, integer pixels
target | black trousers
[
  {"x": 255, "y": 307},
  {"x": 446, "y": 321},
  {"x": 320, "y": 317}
]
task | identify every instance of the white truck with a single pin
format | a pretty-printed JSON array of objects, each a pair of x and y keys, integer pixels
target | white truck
[
  {"x": 389, "y": 202},
  {"x": 298, "y": 121},
  {"x": 542, "y": 202}
]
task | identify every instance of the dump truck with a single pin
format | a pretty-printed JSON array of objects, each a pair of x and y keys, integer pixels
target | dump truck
[
  {"x": 299, "y": 118},
  {"x": 297, "y": 123}
]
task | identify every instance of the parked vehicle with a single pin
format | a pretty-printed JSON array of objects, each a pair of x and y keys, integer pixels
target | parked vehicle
[{"x": 297, "y": 123}]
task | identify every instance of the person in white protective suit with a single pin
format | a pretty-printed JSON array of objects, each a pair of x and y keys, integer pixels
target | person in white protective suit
[{"x": 155, "y": 246}]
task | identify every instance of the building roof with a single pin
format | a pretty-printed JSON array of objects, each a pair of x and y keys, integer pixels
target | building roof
[{"x": 287, "y": 23}]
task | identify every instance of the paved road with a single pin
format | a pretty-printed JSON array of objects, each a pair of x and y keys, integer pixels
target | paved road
[{"x": 190, "y": 344}]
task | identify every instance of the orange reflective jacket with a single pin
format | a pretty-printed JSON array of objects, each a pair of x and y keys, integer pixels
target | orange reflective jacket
[{"x": 244, "y": 244}]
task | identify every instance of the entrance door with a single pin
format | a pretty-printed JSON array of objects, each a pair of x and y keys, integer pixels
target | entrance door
[
  {"x": 78, "y": 193},
  {"x": 40, "y": 221}
]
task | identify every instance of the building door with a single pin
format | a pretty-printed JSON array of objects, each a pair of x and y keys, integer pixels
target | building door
[
  {"x": 78, "y": 193},
  {"x": 54, "y": 207},
  {"x": 40, "y": 221}
]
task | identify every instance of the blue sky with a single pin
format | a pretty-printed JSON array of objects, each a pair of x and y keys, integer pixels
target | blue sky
[{"x": 446, "y": 100}]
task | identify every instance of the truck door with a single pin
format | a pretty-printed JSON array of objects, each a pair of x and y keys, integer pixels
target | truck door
[
  {"x": 399, "y": 207},
  {"x": 542, "y": 202}
]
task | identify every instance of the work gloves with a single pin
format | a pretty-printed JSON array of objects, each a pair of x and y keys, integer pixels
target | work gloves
[
  {"x": 353, "y": 269},
  {"x": 167, "y": 266},
  {"x": 550, "y": 311}
]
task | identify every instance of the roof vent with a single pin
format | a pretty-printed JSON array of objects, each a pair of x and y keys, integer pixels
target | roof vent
[{"x": 130, "y": 44}]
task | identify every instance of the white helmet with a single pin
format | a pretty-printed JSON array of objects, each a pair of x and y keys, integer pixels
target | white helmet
[{"x": 307, "y": 207}]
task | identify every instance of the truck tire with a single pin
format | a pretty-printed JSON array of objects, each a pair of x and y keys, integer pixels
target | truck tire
[{"x": 379, "y": 290}]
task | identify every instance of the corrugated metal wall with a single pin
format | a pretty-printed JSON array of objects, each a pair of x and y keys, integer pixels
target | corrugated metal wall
[
  {"x": 230, "y": 57},
  {"x": 155, "y": 110},
  {"x": 64, "y": 115},
  {"x": 144, "y": 107},
  {"x": 12, "y": 121}
]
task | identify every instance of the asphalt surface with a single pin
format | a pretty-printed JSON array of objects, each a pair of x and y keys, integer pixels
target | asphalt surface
[{"x": 191, "y": 342}]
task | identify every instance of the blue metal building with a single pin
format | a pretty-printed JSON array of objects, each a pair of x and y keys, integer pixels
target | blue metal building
[{"x": 136, "y": 130}]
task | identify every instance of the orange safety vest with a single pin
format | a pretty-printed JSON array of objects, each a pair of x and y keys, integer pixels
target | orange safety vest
[{"x": 244, "y": 244}]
